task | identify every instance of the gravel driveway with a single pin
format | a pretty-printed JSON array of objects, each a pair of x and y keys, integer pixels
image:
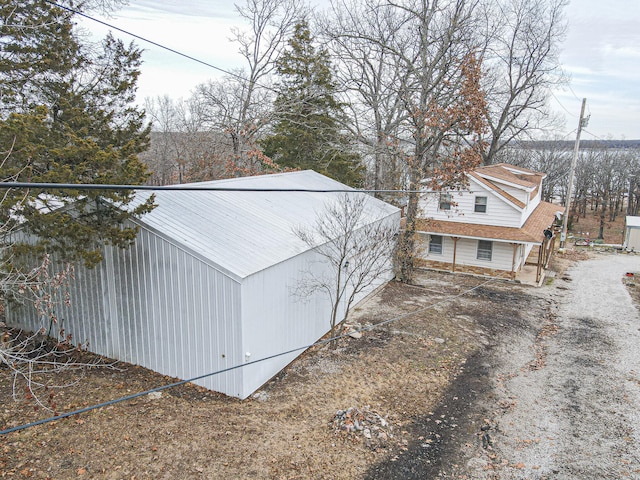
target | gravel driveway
[{"x": 564, "y": 402}]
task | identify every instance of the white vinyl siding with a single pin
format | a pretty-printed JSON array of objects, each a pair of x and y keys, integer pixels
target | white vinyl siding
[
  {"x": 499, "y": 212},
  {"x": 467, "y": 249},
  {"x": 501, "y": 255},
  {"x": 518, "y": 193}
]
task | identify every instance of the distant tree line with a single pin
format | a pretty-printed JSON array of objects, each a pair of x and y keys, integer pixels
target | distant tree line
[{"x": 607, "y": 176}]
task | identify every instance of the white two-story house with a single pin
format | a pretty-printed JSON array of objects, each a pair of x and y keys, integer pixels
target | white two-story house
[{"x": 494, "y": 226}]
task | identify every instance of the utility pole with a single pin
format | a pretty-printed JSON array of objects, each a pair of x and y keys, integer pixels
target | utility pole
[
  {"x": 582, "y": 123},
  {"x": 631, "y": 177}
]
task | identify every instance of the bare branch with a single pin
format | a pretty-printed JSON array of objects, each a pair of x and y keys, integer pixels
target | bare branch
[{"x": 355, "y": 253}]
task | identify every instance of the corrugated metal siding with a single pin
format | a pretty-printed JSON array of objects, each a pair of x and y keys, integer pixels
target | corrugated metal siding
[
  {"x": 175, "y": 314},
  {"x": 174, "y": 302},
  {"x": 157, "y": 306},
  {"x": 276, "y": 319},
  {"x": 86, "y": 290}
]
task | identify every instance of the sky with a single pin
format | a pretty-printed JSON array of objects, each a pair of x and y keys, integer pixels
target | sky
[{"x": 601, "y": 56}]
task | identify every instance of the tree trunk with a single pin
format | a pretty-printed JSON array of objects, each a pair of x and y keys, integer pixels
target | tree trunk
[
  {"x": 406, "y": 250},
  {"x": 602, "y": 218}
]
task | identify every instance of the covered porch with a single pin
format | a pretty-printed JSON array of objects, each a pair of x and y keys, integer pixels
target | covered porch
[{"x": 519, "y": 254}]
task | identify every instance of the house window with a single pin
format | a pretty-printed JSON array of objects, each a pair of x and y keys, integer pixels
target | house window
[
  {"x": 445, "y": 201},
  {"x": 485, "y": 248},
  {"x": 435, "y": 244},
  {"x": 481, "y": 205}
]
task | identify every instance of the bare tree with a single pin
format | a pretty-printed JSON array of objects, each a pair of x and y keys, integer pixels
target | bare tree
[
  {"x": 443, "y": 101},
  {"x": 184, "y": 147},
  {"x": 236, "y": 119},
  {"x": 633, "y": 179},
  {"x": 549, "y": 156},
  {"x": 32, "y": 358},
  {"x": 609, "y": 169},
  {"x": 163, "y": 155},
  {"x": 356, "y": 254},
  {"x": 522, "y": 41},
  {"x": 213, "y": 134},
  {"x": 430, "y": 78},
  {"x": 239, "y": 105},
  {"x": 370, "y": 76}
]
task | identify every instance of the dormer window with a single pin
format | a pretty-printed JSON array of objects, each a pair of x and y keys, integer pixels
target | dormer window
[
  {"x": 481, "y": 205},
  {"x": 445, "y": 201}
]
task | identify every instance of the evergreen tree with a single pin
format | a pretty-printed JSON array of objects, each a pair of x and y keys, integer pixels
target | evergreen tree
[
  {"x": 307, "y": 132},
  {"x": 66, "y": 116}
]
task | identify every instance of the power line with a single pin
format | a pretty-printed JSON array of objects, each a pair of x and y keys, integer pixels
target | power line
[
  {"x": 195, "y": 187},
  {"x": 159, "y": 45},
  {"x": 574, "y": 94},
  {"x": 186, "y": 187},
  {"x": 561, "y": 104},
  {"x": 594, "y": 135},
  {"x": 235, "y": 367}
]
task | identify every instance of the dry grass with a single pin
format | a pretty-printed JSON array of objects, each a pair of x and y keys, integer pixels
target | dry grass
[
  {"x": 589, "y": 227},
  {"x": 401, "y": 371}
]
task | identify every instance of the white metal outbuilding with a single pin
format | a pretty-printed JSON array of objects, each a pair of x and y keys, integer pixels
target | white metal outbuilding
[
  {"x": 631, "y": 233},
  {"x": 208, "y": 284}
]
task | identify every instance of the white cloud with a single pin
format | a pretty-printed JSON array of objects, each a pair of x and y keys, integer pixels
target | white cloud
[
  {"x": 200, "y": 29},
  {"x": 601, "y": 56}
]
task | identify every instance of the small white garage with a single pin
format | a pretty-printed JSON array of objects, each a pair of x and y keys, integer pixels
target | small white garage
[
  {"x": 208, "y": 284},
  {"x": 631, "y": 233}
]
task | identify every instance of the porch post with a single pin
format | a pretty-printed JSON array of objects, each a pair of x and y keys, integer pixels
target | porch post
[
  {"x": 539, "y": 269},
  {"x": 513, "y": 261},
  {"x": 455, "y": 247},
  {"x": 550, "y": 248}
]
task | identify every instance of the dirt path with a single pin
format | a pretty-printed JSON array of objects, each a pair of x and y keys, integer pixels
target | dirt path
[{"x": 564, "y": 396}]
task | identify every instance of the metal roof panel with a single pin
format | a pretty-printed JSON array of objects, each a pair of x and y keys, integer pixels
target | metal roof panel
[{"x": 245, "y": 232}]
